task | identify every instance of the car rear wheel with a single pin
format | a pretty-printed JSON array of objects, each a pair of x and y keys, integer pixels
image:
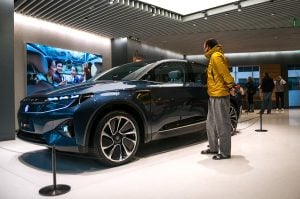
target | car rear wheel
[
  {"x": 116, "y": 138},
  {"x": 233, "y": 118}
]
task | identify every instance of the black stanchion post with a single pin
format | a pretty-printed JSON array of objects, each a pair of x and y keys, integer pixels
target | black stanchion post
[
  {"x": 54, "y": 190},
  {"x": 260, "y": 130}
]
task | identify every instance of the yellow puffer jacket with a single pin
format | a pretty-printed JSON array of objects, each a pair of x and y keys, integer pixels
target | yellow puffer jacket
[{"x": 219, "y": 79}]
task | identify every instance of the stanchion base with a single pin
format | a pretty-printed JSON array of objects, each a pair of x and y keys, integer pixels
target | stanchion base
[
  {"x": 261, "y": 130},
  {"x": 50, "y": 191}
]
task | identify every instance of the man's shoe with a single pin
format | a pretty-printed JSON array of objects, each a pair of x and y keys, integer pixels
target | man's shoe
[
  {"x": 221, "y": 156},
  {"x": 208, "y": 151}
]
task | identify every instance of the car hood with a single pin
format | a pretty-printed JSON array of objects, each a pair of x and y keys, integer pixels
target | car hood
[{"x": 92, "y": 87}]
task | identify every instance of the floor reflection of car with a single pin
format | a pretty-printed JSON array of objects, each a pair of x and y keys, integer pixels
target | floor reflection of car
[{"x": 113, "y": 113}]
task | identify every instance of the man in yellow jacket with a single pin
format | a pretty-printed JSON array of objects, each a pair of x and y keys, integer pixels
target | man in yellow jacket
[{"x": 219, "y": 83}]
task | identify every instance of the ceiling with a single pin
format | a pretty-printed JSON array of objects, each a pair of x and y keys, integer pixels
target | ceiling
[{"x": 268, "y": 26}]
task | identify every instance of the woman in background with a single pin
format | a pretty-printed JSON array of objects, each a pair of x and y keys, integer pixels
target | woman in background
[
  {"x": 251, "y": 90},
  {"x": 74, "y": 77}
]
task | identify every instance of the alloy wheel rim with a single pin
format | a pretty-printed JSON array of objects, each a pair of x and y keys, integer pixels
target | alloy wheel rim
[{"x": 118, "y": 139}]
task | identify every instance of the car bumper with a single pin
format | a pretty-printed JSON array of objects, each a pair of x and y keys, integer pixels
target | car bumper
[{"x": 53, "y": 138}]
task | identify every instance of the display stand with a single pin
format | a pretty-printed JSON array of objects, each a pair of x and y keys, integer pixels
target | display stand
[
  {"x": 261, "y": 130},
  {"x": 54, "y": 190}
]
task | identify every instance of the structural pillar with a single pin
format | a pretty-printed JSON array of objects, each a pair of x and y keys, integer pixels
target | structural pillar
[{"x": 7, "y": 97}]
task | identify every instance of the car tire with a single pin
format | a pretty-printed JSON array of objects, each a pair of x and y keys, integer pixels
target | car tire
[
  {"x": 116, "y": 138},
  {"x": 233, "y": 118}
]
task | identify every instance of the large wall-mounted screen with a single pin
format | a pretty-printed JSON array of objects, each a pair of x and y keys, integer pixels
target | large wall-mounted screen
[{"x": 49, "y": 67}]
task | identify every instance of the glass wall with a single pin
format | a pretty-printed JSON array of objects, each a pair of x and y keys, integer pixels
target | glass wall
[
  {"x": 294, "y": 85},
  {"x": 241, "y": 74}
]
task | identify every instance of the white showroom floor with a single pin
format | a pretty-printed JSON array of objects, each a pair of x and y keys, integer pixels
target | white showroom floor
[{"x": 264, "y": 165}]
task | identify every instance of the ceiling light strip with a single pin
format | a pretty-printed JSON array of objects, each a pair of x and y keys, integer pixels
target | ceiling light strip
[
  {"x": 150, "y": 8},
  {"x": 222, "y": 9}
]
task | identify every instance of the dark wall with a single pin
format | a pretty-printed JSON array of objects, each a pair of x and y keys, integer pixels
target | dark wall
[
  {"x": 144, "y": 51},
  {"x": 125, "y": 50},
  {"x": 118, "y": 51},
  {"x": 7, "y": 113}
]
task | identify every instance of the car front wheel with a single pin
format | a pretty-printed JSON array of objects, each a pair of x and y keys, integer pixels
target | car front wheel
[{"x": 116, "y": 138}]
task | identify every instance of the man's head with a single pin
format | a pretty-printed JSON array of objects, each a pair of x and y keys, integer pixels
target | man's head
[
  {"x": 59, "y": 66},
  {"x": 266, "y": 75},
  {"x": 279, "y": 78},
  {"x": 209, "y": 44}
]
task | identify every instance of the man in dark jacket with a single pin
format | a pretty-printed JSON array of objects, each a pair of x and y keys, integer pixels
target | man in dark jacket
[{"x": 267, "y": 86}]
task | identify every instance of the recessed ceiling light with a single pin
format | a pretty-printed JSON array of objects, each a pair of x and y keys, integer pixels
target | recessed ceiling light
[{"x": 239, "y": 8}]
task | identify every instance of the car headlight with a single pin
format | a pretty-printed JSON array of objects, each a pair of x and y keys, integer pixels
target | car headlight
[{"x": 35, "y": 104}]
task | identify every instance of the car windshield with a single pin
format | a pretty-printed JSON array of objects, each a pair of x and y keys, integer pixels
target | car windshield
[{"x": 124, "y": 72}]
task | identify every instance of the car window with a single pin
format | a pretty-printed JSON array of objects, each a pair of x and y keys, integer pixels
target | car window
[
  {"x": 122, "y": 72},
  {"x": 170, "y": 72},
  {"x": 199, "y": 74}
]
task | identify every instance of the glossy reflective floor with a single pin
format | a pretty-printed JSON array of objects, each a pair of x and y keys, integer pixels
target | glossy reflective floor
[{"x": 264, "y": 165}]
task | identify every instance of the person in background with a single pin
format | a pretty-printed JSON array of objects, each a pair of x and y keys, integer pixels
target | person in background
[
  {"x": 58, "y": 73},
  {"x": 74, "y": 77},
  {"x": 267, "y": 86},
  {"x": 59, "y": 66},
  {"x": 51, "y": 76},
  {"x": 86, "y": 72},
  {"x": 219, "y": 83},
  {"x": 251, "y": 90},
  {"x": 279, "y": 92}
]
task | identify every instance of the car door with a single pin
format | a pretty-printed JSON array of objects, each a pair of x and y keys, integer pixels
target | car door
[
  {"x": 195, "y": 111},
  {"x": 168, "y": 98}
]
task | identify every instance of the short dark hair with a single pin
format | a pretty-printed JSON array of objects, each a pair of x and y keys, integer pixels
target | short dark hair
[
  {"x": 267, "y": 74},
  {"x": 49, "y": 62},
  {"x": 59, "y": 62},
  {"x": 211, "y": 43},
  {"x": 89, "y": 65}
]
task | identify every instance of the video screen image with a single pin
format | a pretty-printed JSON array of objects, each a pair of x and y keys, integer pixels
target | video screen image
[{"x": 49, "y": 67}]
